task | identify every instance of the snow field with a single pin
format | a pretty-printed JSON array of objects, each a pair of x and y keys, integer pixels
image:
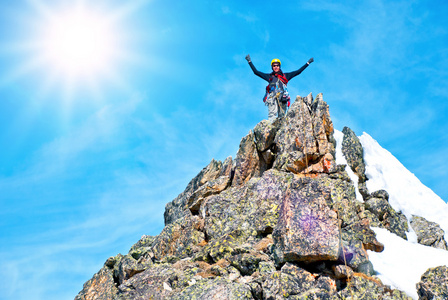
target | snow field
[{"x": 402, "y": 262}]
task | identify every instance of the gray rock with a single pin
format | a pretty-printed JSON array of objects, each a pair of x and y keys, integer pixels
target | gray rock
[
  {"x": 248, "y": 163},
  {"x": 154, "y": 283},
  {"x": 383, "y": 215},
  {"x": 101, "y": 286},
  {"x": 180, "y": 239},
  {"x": 248, "y": 211},
  {"x": 128, "y": 266},
  {"x": 293, "y": 282},
  {"x": 369, "y": 288},
  {"x": 383, "y": 194},
  {"x": 354, "y": 153},
  {"x": 179, "y": 208},
  {"x": 428, "y": 233},
  {"x": 433, "y": 284},
  {"x": 145, "y": 241},
  {"x": 305, "y": 142},
  {"x": 342, "y": 271},
  {"x": 215, "y": 289},
  {"x": 265, "y": 132},
  {"x": 307, "y": 229}
]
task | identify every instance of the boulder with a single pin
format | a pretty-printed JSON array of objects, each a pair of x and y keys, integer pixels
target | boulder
[
  {"x": 145, "y": 241},
  {"x": 264, "y": 133},
  {"x": 433, "y": 284},
  {"x": 154, "y": 283},
  {"x": 307, "y": 229},
  {"x": 247, "y": 161},
  {"x": 428, "y": 233},
  {"x": 217, "y": 288},
  {"x": 354, "y": 153},
  {"x": 294, "y": 282},
  {"x": 384, "y": 216},
  {"x": 180, "y": 239},
  {"x": 383, "y": 194},
  {"x": 361, "y": 286},
  {"x": 355, "y": 232},
  {"x": 342, "y": 271},
  {"x": 100, "y": 287},
  {"x": 305, "y": 142},
  {"x": 180, "y": 207},
  {"x": 127, "y": 266},
  {"x": 248, "y": 213}
]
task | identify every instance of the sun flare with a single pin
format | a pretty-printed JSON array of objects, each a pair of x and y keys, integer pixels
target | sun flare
[
  {"x": 79, "y": 42},
  {"x": 75, "y": 48}
]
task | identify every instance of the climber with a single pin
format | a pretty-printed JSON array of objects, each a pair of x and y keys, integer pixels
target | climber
[{"x": 277, "y": 97}]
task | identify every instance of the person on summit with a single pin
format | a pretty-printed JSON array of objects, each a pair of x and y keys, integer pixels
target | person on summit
[{"x": 277, "y": 97}]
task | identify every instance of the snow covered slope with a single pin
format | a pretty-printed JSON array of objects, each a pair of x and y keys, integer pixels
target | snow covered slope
[
  {"x": 402, "y": 262},
  {"x": 406, "y": 192}
]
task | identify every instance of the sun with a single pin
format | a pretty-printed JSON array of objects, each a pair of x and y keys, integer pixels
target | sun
[
  {"x": 76, "y": 47},
  {"x": 79, "y": 42}
]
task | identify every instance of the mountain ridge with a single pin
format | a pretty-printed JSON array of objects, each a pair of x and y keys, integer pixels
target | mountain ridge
[{"x": 281, "y": 220}]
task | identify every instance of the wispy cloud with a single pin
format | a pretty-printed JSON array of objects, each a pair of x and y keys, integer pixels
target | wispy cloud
[
  {"x": 102, "y": 211},
  {"x": 248, "y": 17}
]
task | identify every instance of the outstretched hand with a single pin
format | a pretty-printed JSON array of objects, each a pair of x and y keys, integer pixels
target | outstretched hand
[
  {"x": 248, "y": 58},
  {"x": 310, "y": 60}
]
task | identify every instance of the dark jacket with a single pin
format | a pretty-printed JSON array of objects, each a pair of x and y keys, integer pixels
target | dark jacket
[{"x": 267, "y": 76}]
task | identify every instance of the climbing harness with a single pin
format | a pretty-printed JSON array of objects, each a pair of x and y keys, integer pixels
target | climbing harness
[{"x": 279, "y": 92}]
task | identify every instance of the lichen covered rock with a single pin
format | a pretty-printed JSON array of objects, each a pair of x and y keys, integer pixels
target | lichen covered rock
[
  {"x": 100, "y": 287},
  {"x": 280, "y": 221},
  {"x": 384, "y": 216},
  {"x": 305, "y": 142},
  {"x": 307, "y": 229},
  {"x": 294, "y": 282},
  {"x": 180, "y": 207},
  {"x": 434, "y": 284},
  {"x": 353, "y": 153},
  {"x": 360, "y": 286},
  {"x": 428, "y": 233},
  {"x": 215, "y": 289}
]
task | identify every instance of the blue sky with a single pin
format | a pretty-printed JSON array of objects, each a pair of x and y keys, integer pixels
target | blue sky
[{"x": 90, "y": 157}]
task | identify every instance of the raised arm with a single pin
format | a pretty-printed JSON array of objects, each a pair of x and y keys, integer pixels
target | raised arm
[
  {"x": 265, "y": 76},
  {"x": 293, "y": 74}
]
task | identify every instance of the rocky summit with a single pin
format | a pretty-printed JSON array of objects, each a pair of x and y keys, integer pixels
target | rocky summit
[{"x": 279, "y": 221}]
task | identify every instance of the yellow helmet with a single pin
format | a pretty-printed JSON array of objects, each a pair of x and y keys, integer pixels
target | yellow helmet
[{"x": 276, "y": 60}]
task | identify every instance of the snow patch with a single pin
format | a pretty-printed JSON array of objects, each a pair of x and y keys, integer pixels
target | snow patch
[
  {"x": 406, "y": 192},
  {"x": 402, "y": 263}
]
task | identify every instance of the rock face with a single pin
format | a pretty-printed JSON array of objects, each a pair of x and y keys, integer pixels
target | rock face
[
  {"x": 428, "y": 233},
  {"x": 306, "y": 145},
  {"x": 281, "y": 220},
  {"x": 378, "y": 210},
  {"x": 307, "y": 229},
  {"x": 354, "y": 154},
  {"x": 381, "y": 214},
  {"x": 434, "y": 284}
]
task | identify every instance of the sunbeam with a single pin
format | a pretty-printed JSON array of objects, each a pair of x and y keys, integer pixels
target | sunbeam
[{"x": 72, "y": 48}]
